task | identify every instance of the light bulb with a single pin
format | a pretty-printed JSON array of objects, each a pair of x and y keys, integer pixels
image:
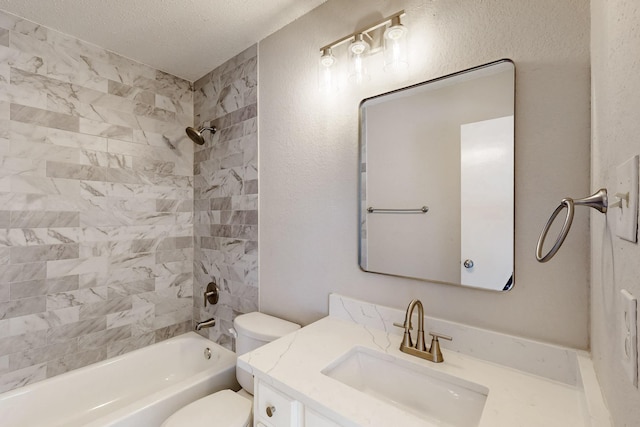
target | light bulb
[
  {"x": 359, "y": 46},
  {"x": 395, "y": 32},
  {"x": 327, "y": 59}
]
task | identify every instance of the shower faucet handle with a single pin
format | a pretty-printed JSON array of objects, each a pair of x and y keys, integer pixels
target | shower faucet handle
[{"x": 211, "y": 294}]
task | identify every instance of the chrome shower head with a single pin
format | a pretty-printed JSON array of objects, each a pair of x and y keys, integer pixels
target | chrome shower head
[{"x": 196, "y": 135}]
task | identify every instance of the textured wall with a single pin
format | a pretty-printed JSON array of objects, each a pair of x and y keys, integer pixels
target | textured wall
[
  {"x": 308, "y": 160},
  {"x": 226, "y": 193},
  {"x": 615, "y": 47},
  {"x": 96, "y": 204}
]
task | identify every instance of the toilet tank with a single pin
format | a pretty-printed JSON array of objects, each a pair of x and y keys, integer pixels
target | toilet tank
[{"x": 255, "y": 330}]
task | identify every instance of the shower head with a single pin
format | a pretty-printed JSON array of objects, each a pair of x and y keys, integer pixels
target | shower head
[{"x": 196, "y": 135}]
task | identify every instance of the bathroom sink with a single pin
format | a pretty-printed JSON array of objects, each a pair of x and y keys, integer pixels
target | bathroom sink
[{"x": 432, "y": 395}]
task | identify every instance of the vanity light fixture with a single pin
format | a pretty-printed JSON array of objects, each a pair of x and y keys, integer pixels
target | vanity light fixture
[{"x": 361, "y": 43}]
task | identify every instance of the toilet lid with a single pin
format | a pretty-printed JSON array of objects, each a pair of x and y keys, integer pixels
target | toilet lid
[{"x": 222, "y": 409}]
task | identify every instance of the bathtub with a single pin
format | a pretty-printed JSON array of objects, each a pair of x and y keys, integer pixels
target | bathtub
[{"x": 141, "y": 388}]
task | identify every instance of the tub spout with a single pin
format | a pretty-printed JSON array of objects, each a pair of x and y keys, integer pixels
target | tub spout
[{"x": 206, "y": 324}]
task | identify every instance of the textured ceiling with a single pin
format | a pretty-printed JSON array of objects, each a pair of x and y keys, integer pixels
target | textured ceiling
[{"x": 186, "y": 38}]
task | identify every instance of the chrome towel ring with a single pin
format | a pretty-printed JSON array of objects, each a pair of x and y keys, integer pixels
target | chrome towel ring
[{"x": 598, "y": 201}]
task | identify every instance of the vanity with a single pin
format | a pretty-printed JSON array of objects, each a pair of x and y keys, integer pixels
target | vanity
[
  {"x": 450, "y": 143},
  {"x": 347, "y": 370}
]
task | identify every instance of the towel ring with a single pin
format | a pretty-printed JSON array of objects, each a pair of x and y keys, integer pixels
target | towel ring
[{"x": 598, "y": 201}]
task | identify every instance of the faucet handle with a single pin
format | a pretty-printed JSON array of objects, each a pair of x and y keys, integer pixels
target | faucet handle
[
  {"x": 435, "y": 351},
  {"x": 401, "y": 325},
  {"x": 211, "y": 294},
  {"x": 436, "y": 335}
]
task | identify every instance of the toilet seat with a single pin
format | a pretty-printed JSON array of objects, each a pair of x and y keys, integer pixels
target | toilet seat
[{"x": 222, "y": 409}]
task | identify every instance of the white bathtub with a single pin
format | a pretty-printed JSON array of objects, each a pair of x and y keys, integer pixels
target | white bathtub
[{"x": 137, "y": 389}]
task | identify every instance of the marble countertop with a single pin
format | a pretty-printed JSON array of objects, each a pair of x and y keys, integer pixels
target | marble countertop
[{"x": 294, "y": 363}]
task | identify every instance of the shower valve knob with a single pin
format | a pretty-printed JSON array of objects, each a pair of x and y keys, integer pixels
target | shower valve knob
[{"x": 211, "y": 295}]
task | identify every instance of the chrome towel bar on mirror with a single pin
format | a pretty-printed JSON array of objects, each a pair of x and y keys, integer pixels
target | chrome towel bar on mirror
[
  {"x": 597, "y": 201},
  {"x": 421, "y": 210}
]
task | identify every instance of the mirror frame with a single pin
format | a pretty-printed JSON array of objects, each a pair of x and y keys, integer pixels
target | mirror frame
[{"x": 510, "y": 283}]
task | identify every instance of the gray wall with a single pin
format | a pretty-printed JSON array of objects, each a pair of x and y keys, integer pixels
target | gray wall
[
  {"x": 96, "y": 204},
  {"x": 615, "y": 47},
  {"x": 309, "y": 169},
  {"x": 226, "y": 193}
]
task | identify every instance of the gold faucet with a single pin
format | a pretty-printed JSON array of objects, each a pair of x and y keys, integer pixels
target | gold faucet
[{"x": 434, "y": 354}]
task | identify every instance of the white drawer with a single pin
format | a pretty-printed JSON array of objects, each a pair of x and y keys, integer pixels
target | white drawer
[
  {"x": 275, "y": 408},
  {"x": 314, "y": 419}
]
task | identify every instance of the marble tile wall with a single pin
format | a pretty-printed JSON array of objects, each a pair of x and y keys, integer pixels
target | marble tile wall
[
  {"x": 226, "y": 193},
  {"x": 96, "y": 202}
]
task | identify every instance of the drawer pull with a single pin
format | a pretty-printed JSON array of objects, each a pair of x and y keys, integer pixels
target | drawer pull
[{"x": 270, "y": 411}]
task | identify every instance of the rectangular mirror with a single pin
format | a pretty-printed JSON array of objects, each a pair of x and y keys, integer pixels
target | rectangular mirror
[{"x": 437, "y": 179}]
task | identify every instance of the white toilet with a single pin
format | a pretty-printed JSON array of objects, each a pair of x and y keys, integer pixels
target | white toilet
[{"x": 227, "y": 408}]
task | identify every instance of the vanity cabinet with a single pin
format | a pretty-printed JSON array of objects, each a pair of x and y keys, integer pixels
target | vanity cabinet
[{"x": 273, "y": 408}]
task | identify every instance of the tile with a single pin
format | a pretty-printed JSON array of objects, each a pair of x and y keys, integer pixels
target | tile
[
  {"x": 130, "y": 344},
  {"x": 130, "y": 92},
  {"x": 43, "y": 321},
  {"x": 251, "y": 186},
  {"x": 171, "y": 243},
  {"x": 101, "y": 339},
  {"x": 21, "y": 307},
  {"x": 22, "y": 342},
  {"x": 184, "y": 281},
  {"x": 44, "y": 186},
  {"x": 4, "y": 37},
  {"x": 77, "y": 266},
  {"x": 79, "y": 172},
  {"x": 5, "y": 293},
  {"x": 44, "y": 118},
  {"x": 5, "y": 217},
  {"x": 135, "y": 315},
  {"x": 153, "y": 165},
  {"x": 23, "y": 272},
  {"x": 26, "y": 358},
  {"x": 44, "y": 253},
  {"x": 162, "y": 257},
  {"x": 63, "y": 333},
  {"x": 105, "y": 130},
  {"x": 43, "y": 219},
  {"x": 23, "y": 237},
  {"x": 76, "y": 297},
  {"x": 173, "y": 330},
  {"x": 76, "y": 360},
  {"x": 27, "y": 289},
  {"x": 103, "y": 308},
  {"x": 21, "y": 377},
  {"x": 131, "y": 288},
  {"x": 63, "y": 234},
  {"x": 63, "y": 284}
]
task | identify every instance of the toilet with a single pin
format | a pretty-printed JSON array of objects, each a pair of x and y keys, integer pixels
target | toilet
[{"x": 227, "y": 408}]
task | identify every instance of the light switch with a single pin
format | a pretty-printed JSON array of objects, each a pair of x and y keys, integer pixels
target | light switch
[
  {"x": 624, "y": 200},
  {"x": 629, "y": 335}
]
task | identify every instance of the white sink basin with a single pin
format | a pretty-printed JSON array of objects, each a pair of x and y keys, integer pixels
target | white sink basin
[{"x": 432, "y": 395}]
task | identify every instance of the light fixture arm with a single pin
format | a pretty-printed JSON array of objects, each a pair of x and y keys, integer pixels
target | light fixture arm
[{"x": 365, "y": 31}]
